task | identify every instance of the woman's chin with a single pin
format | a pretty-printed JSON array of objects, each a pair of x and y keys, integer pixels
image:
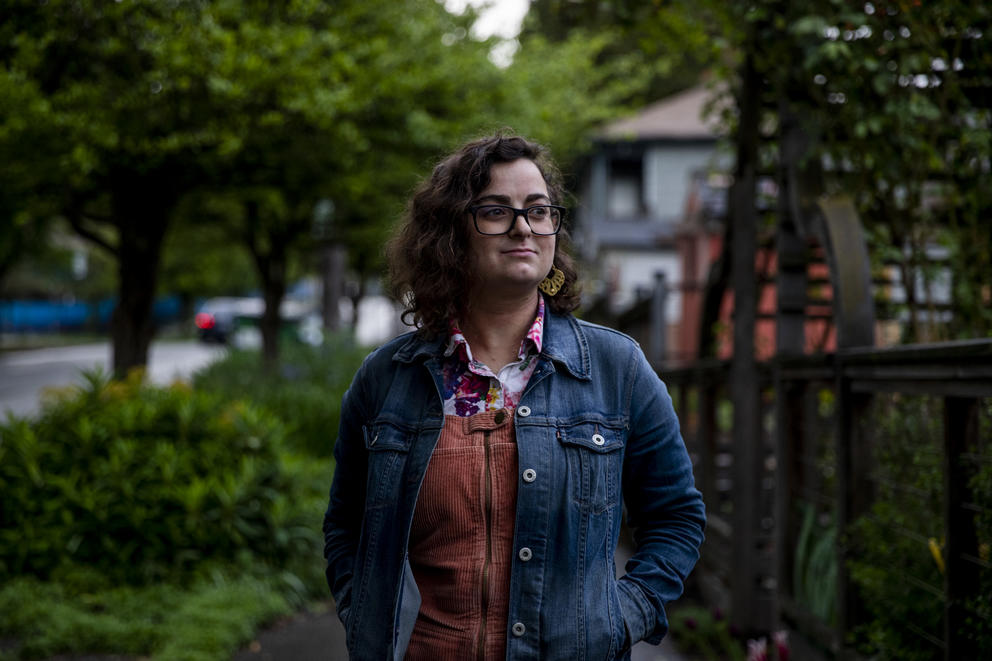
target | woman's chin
[{"x": 523, "y": 288}]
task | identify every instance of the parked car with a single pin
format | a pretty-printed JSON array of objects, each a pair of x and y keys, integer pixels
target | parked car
[
  {"x": 235, "y": 321},
  {"x": 217, "y": 318}
]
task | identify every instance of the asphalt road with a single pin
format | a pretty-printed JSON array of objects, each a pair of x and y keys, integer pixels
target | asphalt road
[{"x": 24, "y": 375}]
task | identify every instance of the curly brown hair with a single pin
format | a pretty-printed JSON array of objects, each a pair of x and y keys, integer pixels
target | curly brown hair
[{"x": 429, "y": 265}]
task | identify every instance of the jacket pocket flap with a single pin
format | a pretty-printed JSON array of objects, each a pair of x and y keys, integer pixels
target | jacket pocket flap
[
  {"x": 594, "y": 437},
  {"x": 383, "y": 436}
]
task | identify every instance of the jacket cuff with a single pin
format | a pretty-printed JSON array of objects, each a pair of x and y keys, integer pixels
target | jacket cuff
[
  {"x": 638, "y": 615},
  {"x": 342, "y": 599}
]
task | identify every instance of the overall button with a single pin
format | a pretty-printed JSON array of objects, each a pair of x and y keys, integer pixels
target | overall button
[
  {"x": 525, "y": 554},
  {"x": 530, "y": 475},
  {"x": 499, "y": 417},
  {"x": 518, "y": 629},
  {"x": 598, "y": 439},
  {"x": 523, "y": 411}
]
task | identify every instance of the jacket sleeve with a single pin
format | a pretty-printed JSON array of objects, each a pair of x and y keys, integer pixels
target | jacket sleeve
[
  {"x": 346, "y": 507},
  {"x": 664, "y": 509}
]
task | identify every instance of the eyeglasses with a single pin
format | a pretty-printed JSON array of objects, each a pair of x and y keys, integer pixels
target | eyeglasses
[{"x": 496, "y": 219}]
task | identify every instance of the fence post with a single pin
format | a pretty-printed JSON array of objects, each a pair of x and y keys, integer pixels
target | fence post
[
  {"x": 790, "y": 340},
  {"x": 659, "y": 321},
  {"x": 789, "y": 447},
  {"x": 961, "y": 579},
  {"x": 853, "y": 492},
  {"x": 748, "y": 613},
  {"x": 706, "y": 440}
]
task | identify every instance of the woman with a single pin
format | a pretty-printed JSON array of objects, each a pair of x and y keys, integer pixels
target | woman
[{"x": 484, "y": 460}]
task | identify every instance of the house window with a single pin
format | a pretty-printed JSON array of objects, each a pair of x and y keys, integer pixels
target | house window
[{"x": 626, "y": 189}]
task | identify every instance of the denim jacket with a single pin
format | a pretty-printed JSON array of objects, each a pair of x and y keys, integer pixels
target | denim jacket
[{"x": 596, "y": 433}]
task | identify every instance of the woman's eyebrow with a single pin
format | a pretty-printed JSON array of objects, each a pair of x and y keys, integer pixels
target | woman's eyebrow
[{"x": 505, "y": 199}]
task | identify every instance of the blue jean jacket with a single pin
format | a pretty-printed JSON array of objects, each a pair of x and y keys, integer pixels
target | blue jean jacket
[{"x": 596, "y": 432}]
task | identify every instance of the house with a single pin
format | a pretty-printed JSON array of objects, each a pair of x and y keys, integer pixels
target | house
[{"x": 634, "y": 192}]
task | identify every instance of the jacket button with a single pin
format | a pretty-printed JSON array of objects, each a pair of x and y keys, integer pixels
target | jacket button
[
  {"x": 598, "y": 439},
  {"x": 499, "y": 417},
  {"x": 525, "y": 554},
  {"x": 523, "y": 411},
  {"x": 518, "y": 629},
  {"x": 530, "y": 475}
]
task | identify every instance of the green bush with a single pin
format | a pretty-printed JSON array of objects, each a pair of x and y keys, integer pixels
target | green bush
[
  {"x": 142, "y": 484},
  {"x": 168, "y": 522},
  {"x": 897, "y": 578},
  {"x": 704, "y": 634},
  {"x": 815, "y": 564},
  {"x": 305, "y": 393},
  {"x": 980, "y": 623},
  {"x": 897, "y": 550}
]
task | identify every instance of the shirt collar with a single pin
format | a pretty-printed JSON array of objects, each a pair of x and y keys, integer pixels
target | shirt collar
[
  {"x": 564, "y": 343},
  {"x": 532, "y": 342}
]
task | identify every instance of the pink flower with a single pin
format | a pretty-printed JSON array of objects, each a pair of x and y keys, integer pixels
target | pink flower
[
  {"x": 757, "y": 650},
  {"x": 781, "y": 639}
]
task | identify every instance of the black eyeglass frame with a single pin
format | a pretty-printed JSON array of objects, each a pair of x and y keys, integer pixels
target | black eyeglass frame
[{"x": 517, "y": 212}]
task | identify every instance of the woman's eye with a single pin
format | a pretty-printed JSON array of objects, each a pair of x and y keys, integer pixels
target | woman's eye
[
  {"x": 493, "y": 212},
  {"x": 538, "y": 212}
]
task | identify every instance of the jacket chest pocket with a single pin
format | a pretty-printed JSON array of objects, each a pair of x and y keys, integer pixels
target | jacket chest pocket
[
  {"x": 593, "y": 454},
  {"x": 388, "y": 446}
]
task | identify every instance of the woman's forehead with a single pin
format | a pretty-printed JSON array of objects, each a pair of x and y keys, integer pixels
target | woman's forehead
[{"x": 521, "y": 177}]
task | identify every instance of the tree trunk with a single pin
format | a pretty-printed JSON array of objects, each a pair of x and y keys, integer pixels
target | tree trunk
[
  {"x": 271, "y": 265},
  {"x": 356, "y": 300},
  {"x": 141, "y": 217},
  {"x": 332, "y": 263},
  {"x": 273, "y": 291}
]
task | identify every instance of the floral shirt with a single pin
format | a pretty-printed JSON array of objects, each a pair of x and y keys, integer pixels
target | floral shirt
[{"x": 471, "y": 387}]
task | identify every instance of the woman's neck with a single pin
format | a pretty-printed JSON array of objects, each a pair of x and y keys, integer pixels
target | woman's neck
[{"x": 495, "y": 328}]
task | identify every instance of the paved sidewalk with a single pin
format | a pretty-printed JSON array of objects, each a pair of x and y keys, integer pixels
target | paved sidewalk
[{"x": 320, "y": 637}]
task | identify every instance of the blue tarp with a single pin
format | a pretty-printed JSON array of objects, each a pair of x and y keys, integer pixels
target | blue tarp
[{"x": 24, "y": 316}]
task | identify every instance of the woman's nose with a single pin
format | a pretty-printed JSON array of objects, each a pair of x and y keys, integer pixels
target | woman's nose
[{"x": 520, "y": 224}]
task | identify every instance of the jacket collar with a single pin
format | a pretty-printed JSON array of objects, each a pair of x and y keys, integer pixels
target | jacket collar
[{"x": 564, "y": 344}]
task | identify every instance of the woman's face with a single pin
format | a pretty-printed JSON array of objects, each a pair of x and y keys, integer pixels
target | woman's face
[{"x": 517, "y": 261}]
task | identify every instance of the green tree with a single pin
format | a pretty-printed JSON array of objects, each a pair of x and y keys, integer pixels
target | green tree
[
  {"x": 898, "y": 95},
  {"x": 340, "y": 104},
  {"x": 895, "y": 97},
  {"x": 142, "y": 104},
  {"x": 655, "y": 46},
  {"x": 94, "y": 81},
  {"x": 19, "y": 233}
]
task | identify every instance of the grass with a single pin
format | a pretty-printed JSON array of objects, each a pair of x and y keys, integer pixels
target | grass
[{"x": 204, "y": 622}]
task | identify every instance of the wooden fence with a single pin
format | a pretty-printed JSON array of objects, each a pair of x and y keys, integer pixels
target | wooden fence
[{"x": 871, "y": 500}]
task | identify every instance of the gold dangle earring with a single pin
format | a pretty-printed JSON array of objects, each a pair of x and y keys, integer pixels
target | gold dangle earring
[{"x": 551, "y": 284}]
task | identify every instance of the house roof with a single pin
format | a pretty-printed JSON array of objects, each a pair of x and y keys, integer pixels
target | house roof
[{"x": 678, "y": 117}]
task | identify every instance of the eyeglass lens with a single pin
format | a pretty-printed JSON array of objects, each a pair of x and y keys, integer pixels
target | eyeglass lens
[{"x": 498, "y": 218}]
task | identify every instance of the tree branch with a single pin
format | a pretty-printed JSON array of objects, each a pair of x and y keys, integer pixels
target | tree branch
[{"x": 77, "y": 223}]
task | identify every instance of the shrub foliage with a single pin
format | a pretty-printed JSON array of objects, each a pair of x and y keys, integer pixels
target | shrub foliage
[
  {"x": 305, "y": 393},
  {"x": 898, "y": 553},
  {"x": 143, "y": 484}
]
